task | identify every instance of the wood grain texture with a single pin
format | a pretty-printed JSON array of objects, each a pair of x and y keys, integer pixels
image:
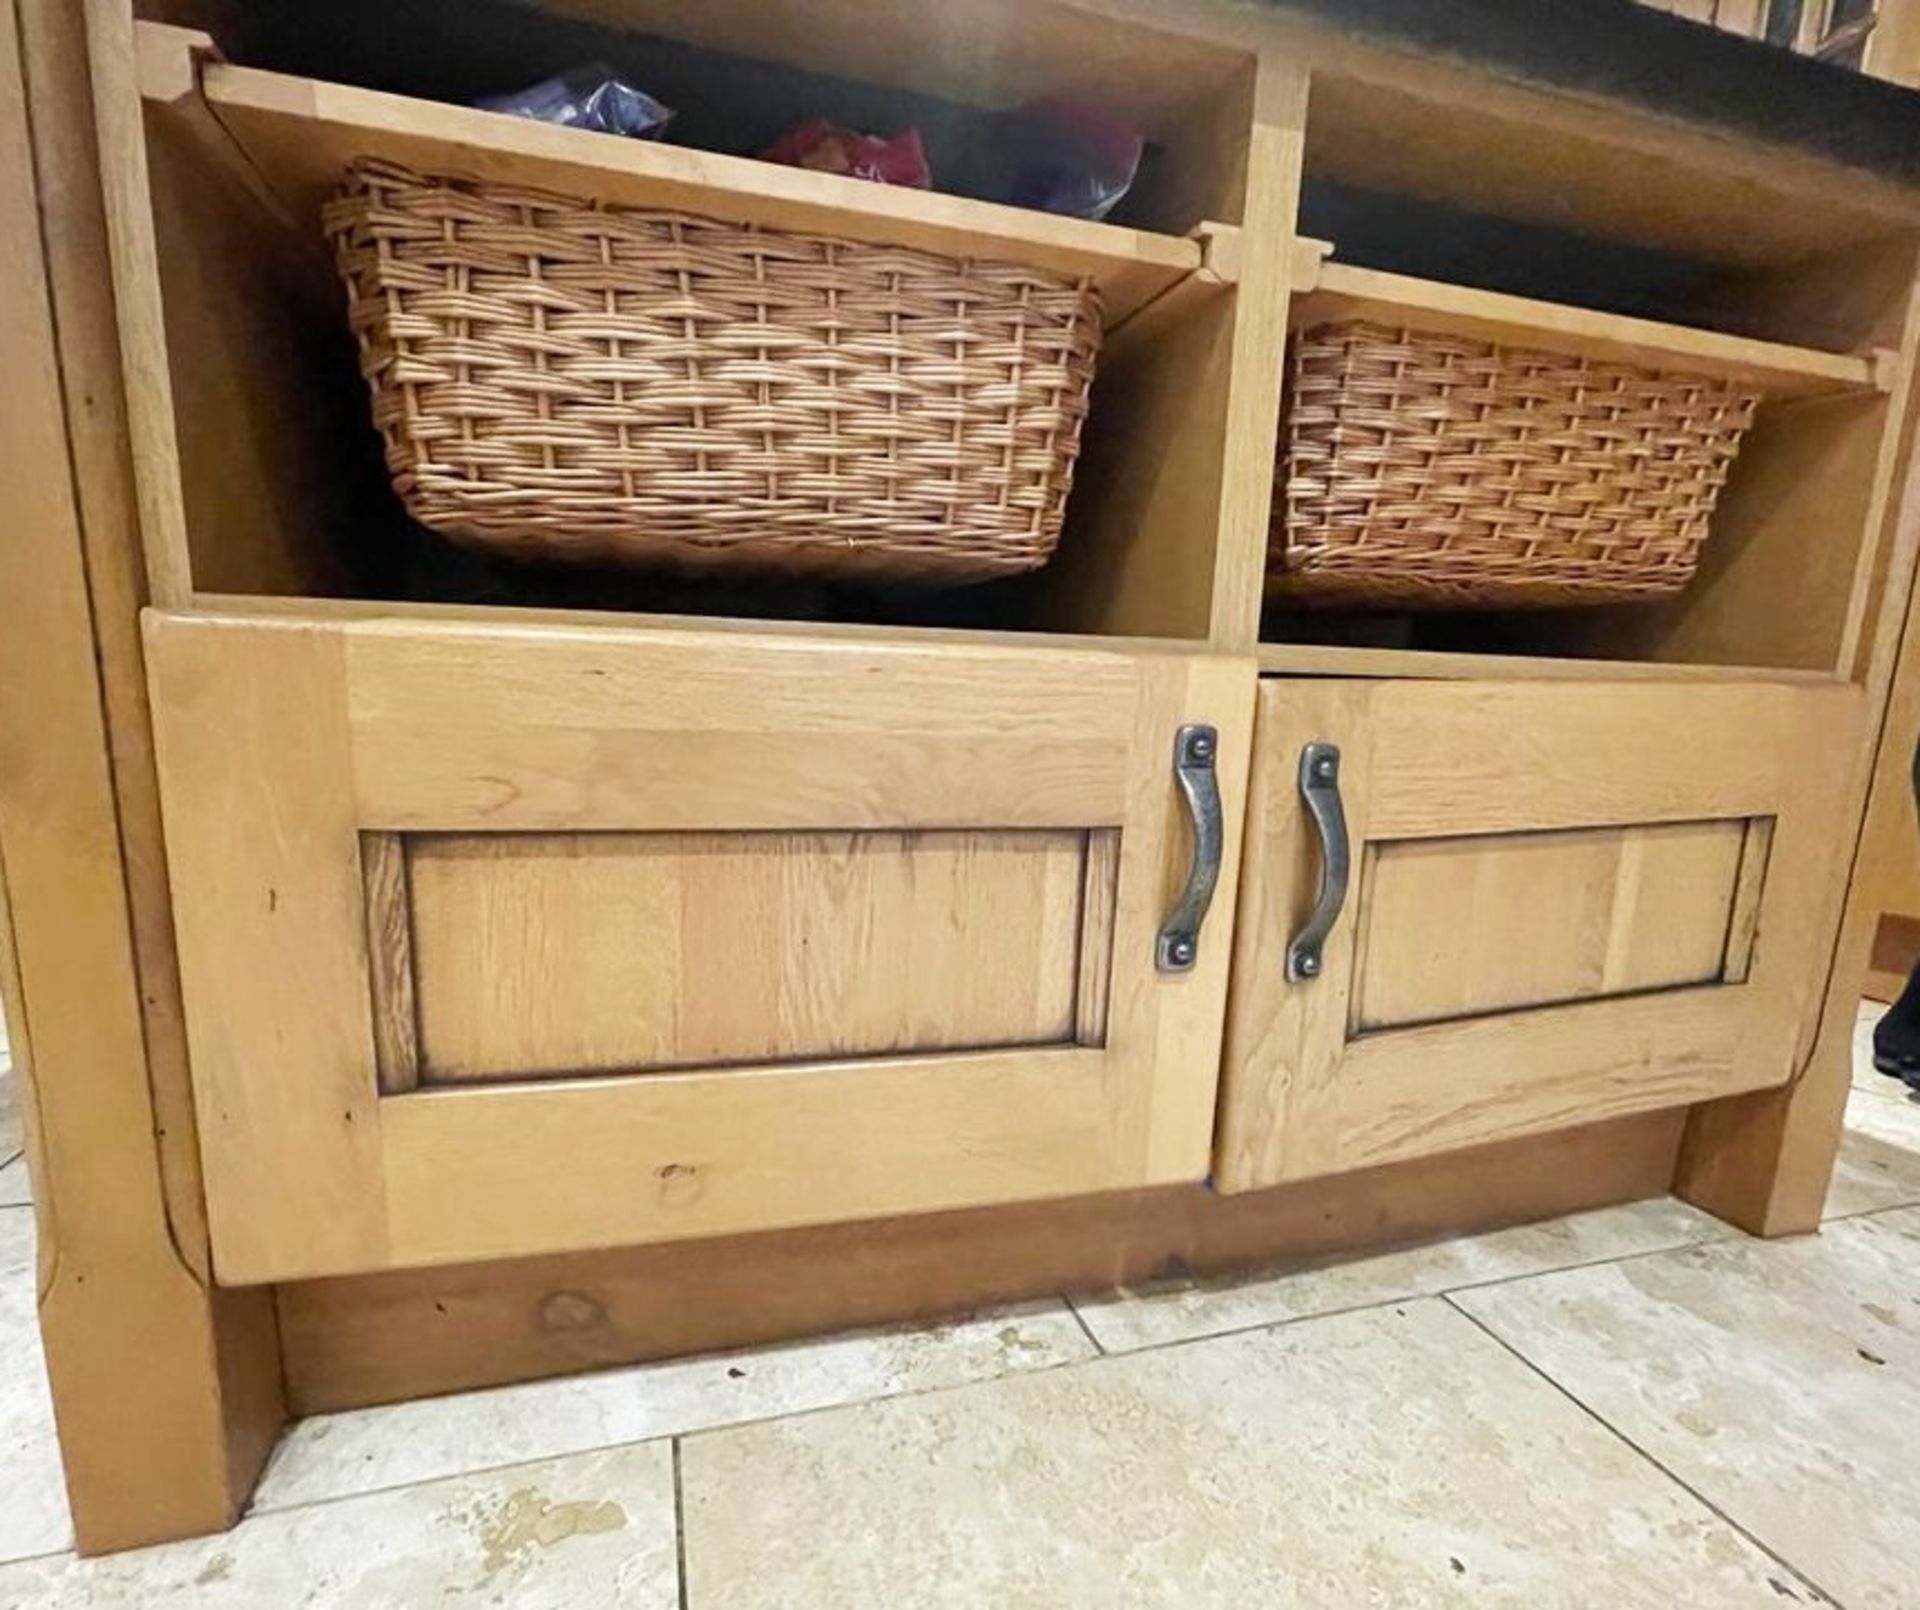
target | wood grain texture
[
  {"x": 869, "y": 634},
  {"x": 555, "y": 730},
  {"x": 1763, "y": 1161},
  {"x": 74, "y": 236},
  {"x": 126, "y": 190},
  {"x": 256, "y": 759},
  {"x": 124, "y": 1307},
  {"x": 372, "y": 1339},
  {"x": 502, "y": 1170},
  {"x": 282, "y": 743},
  {"x": 1750, "y": 883},
  {"x": 390, "y": 962},
  {"x": 1438, "y": 1086},
  {"x": 1541, "y": 663},
  {"x": 1301, "y": 1096},
  {"x": 277, "y": 485},
  {"x": 1464, "y": 926},
  {"x": 1095, "y": 964},
  {"x": 542, "y": 954}
]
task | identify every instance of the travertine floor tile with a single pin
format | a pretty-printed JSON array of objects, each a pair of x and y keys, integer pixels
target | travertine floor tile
[
  {"x": 1176, "y": 1311},
  {"x": 33, "y": 1498},
  {"x": 1780, "y": 1380},
  {"x": 1879, "y": 1162},
  {"x": 10, "y": 1141},
  {"x": 16, "y": 1190},
  {"x": 593, "y": 1531},
  {"x": 357, "y": 1452},
  {"x": 1865, "y": 1075},
  {"x": 1394, "y": 1457}
]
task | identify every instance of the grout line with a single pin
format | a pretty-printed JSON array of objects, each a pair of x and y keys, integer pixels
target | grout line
[
  {"x": 257, "y": 1511},
  {"x": 721, "y": 1429},
  {"x": 7, "y": 1561},
  {"x": 1858, "y": 1213},
  {"x": 1074, "y": 1309},
  {"x": 716, "y": 1428},
  {"x": 1613, "y": 1430},
  {"x": 1728, "y": 1233},
  {"x": 679, "y": 1527},
  {"x": 1867, "y": 1213}
]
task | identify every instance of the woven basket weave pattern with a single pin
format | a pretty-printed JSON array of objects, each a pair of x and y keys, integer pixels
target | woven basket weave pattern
[
  {"x": 558, "y": 378},
  {"x": 1442, "y": 471}
]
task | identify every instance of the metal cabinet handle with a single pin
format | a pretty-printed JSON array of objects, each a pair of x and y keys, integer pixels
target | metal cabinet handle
[
  {"x": 1178, "y": 944},
  {"x": 1320, "y": 788}
]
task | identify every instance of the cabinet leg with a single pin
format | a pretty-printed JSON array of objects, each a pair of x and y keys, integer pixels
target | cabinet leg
[
  {"x": 164, "y": 1413},
  {"x": 1762, "y": 1161},
  {"x": 166, "y": 1390}
]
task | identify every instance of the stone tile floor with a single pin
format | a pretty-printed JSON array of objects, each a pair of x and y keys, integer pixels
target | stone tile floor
[{"x": 1630, "y": 1408}]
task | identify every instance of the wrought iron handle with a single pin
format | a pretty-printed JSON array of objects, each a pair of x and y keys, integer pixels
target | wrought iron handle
[
  {"x": 1320, "y": 788},
  {"x": 1178, "y": 944}
]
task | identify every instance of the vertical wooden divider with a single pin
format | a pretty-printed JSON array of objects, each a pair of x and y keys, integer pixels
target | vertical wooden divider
[
  {"x": 1167, "y": 531},
  {"x": 1274, "y": 164}
]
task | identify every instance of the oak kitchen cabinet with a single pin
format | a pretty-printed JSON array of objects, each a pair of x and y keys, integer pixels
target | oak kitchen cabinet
[{"x": 431, "y": 972}]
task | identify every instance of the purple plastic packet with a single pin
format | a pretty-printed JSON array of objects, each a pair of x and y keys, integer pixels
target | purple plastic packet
[
  {"x": 1058, "y": 156},
  {"x": 589, "y": 97}
]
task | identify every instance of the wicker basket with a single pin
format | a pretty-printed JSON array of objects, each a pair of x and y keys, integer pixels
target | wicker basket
[
  {"x": 560, "y": 379},
  {"x": 1445, "y": 472}
]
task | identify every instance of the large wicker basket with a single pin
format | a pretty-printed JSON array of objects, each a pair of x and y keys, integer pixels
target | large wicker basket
[
  {"x": 1440, "y": 471},
  {"x": 560, "y": 379}
]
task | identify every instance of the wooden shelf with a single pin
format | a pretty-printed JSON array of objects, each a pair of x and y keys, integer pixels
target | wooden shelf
[
  {"x": 407, "y": 614},
  {"x": 298, "y": 134},
  {"x": 1343, "y": 291},
  {"x": 1345, "y": 660}
]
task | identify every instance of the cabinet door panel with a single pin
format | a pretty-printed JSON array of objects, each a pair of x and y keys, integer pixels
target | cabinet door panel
[
  {"x": 499, "y": 941},
  {"x": 544, "y": 953},
  {"x": 1567, "y": 902},
  {"x": 1458, "y": 927}
]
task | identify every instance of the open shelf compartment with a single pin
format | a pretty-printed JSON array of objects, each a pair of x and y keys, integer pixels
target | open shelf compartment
[
  {"x": 1786, "y": 571},
  {"x": 281, "y": 491}
]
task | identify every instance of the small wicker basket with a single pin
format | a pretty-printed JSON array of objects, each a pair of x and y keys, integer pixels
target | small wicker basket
[
  {"x": 555, "y": 378},
  {"x": 1439, "y": 471}
]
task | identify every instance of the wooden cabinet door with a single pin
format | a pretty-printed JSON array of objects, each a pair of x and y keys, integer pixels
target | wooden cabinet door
[
  {"x": 1566, "y": 902},
  {"x": 499, "y": 941}
]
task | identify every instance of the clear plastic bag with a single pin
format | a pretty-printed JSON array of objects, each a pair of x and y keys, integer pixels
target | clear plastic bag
[
  {"x": 1056, "y": 156},
  {"x": 590, "y": 97}
]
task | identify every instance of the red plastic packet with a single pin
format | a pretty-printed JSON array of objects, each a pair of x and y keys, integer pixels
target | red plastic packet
[{"x": 827, "y": 148}]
